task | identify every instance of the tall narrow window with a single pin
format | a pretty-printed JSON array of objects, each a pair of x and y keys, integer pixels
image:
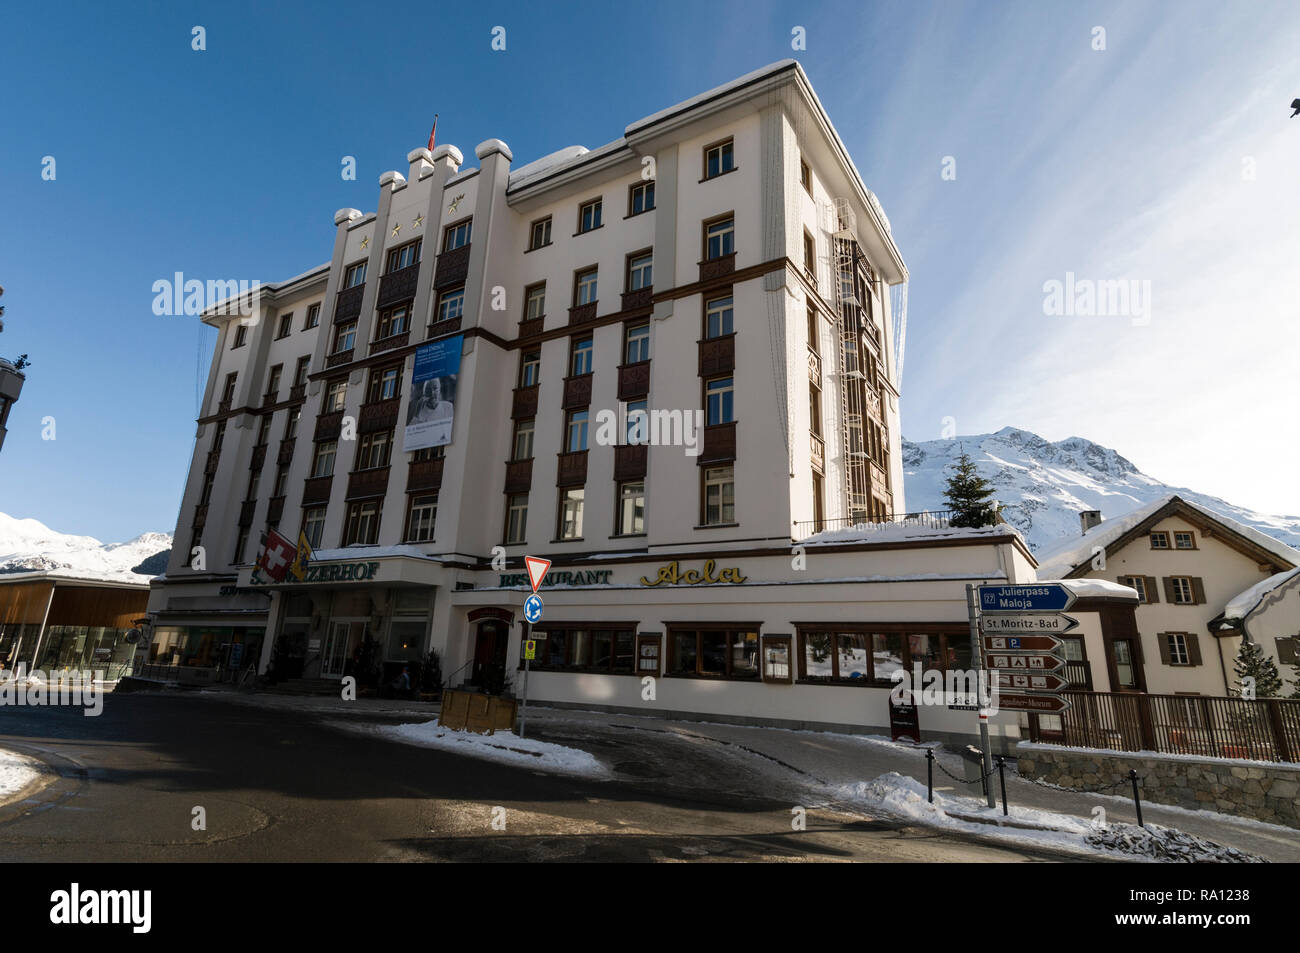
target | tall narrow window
[
  {"x": 322, "y": 464},
  {"x": 363, "y": 522},
  {"x": 719, "y": 158},
  {"x": 589, "y": 215},
  {"x": 640, "y": 271},
  {"x": 631, "y": 508},
  {"x": 273, "y": 380},
  {"x": 580, "y": 358},
  {"x": 516, "y": 517},
  {"x": 345, "y": 336},
  {"x": 637, "y": 347},
  {"x": 719, "y": 495},
  {"x": 719, "y": 406},
  {"x": 584, "y": 287},
  {"x": 522, "y": 445},
  {"x": 313, "y": 317},
  {"x": 641, "y": 198},
  {"x": 313, "y": 525},
  {"x": 540, "y": 233},
  {"x": 575, "y": 431},
  {"x": 535, "y": 302},
  {"x": 300, "y": 371},
  {"x": 570, "y": 517},
  {"x": 717, "y": 317},
  {"x": 719, "y": 238},
  {"x": 392, "y": 321},
  {"x": 451, "y": 304},
  {"x": 530, "y": 366},
  {"x": 335, "y": 395},
  {"x": 423, "y": 513}
]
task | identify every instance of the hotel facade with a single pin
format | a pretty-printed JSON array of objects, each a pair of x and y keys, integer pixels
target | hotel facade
[{"x": 721, "y": 264}]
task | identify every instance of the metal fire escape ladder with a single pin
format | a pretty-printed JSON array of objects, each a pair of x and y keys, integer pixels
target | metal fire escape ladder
[{"x": 848, "y": 319}]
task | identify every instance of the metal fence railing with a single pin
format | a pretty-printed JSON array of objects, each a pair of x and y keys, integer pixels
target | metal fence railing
[
  {"x": 1264, "y": 729},
  {"x": 932, "y": 519}
]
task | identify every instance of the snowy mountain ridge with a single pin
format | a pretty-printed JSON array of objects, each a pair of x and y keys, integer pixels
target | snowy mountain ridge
[
  {"x": 28, "y": 545},
  {"x": 1043, "y": 486}
]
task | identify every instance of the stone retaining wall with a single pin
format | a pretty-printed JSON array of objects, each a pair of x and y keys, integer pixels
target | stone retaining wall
[{"x": 1266, "y": 792}]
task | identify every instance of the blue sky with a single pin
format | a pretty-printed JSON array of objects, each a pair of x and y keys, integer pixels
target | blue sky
[{"x": 1128, "y": 162}]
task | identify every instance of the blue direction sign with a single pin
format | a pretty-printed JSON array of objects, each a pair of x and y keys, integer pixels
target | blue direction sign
[
  {"x": 1032, "y": 597},
  {"x": 533, "y": 609}
]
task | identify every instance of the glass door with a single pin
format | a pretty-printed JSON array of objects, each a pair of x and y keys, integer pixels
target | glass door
[{"x": 335, "y": 656}]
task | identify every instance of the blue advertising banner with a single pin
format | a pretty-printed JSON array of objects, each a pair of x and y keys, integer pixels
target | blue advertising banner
[{"x": 433, "y": 394}]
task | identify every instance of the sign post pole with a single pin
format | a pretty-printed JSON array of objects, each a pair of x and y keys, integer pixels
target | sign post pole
[
  {"x": 977, "y": 656},
  {"x": 523, "y": 712}
]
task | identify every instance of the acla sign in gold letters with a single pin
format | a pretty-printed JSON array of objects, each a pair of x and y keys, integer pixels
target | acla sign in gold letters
[{"x": 671, "y": 575}]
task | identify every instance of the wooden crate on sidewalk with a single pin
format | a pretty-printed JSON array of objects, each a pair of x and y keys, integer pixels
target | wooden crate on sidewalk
[{"x": 476, "y": 712}]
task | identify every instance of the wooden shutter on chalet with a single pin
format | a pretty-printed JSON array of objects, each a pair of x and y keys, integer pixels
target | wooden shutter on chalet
[
  {"x": 1193, "y": 648},
  {"x": 1163, "y": 640},
  {"x": 1198, "y": 591},
  {"x": 1169, "y": 588},
  {"x": 1153, "y": 589}
]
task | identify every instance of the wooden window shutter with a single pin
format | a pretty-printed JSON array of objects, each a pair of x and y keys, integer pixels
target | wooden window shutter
[
  {"x": 1193, "y": 648},
  {"x": 1169, "y": 588},
  {"x": 1198, "y": 590},
  {"x": 1162, "y": 640},
  {"x": 1153, "y": 590}
]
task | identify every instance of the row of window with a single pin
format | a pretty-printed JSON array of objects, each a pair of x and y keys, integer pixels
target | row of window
[
  {"x": 283, "y": 328},
  {"x": 1179, "y": 590},
  {"x": 848, "y": 655},
  {"x": 717, "y": 507},
  {"x": 1181, "y": 540},
  {"x": 719, "y": 158}
]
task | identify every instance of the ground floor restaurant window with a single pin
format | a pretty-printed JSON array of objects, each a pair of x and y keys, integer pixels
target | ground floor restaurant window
[
  {"x": 585, "y": 648},
  {"x": 719, "y": 651},
  {"x": 867, "y": 656}
]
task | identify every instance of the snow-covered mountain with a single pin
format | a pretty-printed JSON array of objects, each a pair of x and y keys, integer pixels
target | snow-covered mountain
[
  {"x": 27, "y": 545},
  {"x": 1043, "y": 486}
]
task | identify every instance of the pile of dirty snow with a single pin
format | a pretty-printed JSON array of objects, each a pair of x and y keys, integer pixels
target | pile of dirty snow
[{"x": 503, "y": 747}]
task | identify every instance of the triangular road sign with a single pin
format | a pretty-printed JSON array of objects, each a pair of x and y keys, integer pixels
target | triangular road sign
[{"x": 536, "y": 569}]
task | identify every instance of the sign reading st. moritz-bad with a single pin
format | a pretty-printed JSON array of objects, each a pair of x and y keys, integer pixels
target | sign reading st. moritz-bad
[
  {"x": 1021, "y": 643},
  {"x": 1033, "y": 597},
  {"x": 1026, "y": 622}
]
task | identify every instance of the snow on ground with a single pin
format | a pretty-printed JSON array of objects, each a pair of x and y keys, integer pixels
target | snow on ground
[
  {"x": 16, "y": 772},
  {"x": 905, "y": 797},
  {"x": 502, "y": 747}
]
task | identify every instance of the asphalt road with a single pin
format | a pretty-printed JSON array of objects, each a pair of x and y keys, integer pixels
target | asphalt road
[{"x": 281, "y": 784}]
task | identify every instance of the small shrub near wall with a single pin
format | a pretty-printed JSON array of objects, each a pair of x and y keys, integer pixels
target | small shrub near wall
[{"x": 1266, "y": 792}]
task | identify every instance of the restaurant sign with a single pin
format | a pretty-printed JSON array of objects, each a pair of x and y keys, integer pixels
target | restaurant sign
[
  {"x": 671, "y": 575},
  {"x": 581, "y": 577}
]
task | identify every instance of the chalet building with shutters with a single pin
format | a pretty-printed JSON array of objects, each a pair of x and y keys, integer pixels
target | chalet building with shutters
[
  {"x": 1192, "y": 567},
  {"x": 720, "y": 261}
]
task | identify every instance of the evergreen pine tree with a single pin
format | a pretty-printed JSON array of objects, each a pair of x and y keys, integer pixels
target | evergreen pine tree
[
  {"x": 1253, "y": 663},
  {"x": 968, "y": 495}
]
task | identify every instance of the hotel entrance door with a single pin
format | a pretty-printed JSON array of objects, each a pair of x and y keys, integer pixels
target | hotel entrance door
[{"x": 342, "y": 636}]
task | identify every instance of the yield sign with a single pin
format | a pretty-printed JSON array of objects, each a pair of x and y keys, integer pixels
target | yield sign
[{"x": 536, "y": 569}]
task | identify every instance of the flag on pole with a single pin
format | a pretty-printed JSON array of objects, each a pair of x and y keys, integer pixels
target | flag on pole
[
  {"x": 433, "y": 132},
  {"x": 276, "y": 556},
  {"x": 299, "y": 568}
]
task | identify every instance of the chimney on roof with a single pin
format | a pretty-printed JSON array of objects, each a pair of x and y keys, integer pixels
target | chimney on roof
[{"x": 1089, "y": 518}]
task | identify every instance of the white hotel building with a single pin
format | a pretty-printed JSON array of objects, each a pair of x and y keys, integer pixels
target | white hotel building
[{"x": 688, "y": 265}]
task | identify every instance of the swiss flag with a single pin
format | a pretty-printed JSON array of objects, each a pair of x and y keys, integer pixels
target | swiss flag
[
  {"x": 536, "y": 569},
  {"x": 277, "y": 556}
]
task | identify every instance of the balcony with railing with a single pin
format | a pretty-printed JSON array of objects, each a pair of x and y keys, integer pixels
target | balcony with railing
[{"x": 924, "y": 519}]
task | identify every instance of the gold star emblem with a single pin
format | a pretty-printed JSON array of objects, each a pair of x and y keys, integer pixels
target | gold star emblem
[
  {"x": 365, "y": 241},
  {"x": 419, "y": 220},
  {"x": 451, "y": 209},
  {"x": 396, "y": 229}
]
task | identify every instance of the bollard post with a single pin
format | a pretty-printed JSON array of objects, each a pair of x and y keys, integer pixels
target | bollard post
[
  {"x": 1002, "y": 776},
  {"x": 929, "y": 774},
  {"x": 1137, "y": 801}
]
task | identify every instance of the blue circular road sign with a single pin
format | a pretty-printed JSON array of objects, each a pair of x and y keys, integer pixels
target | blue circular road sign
[{"x": 533, "y": 609}]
